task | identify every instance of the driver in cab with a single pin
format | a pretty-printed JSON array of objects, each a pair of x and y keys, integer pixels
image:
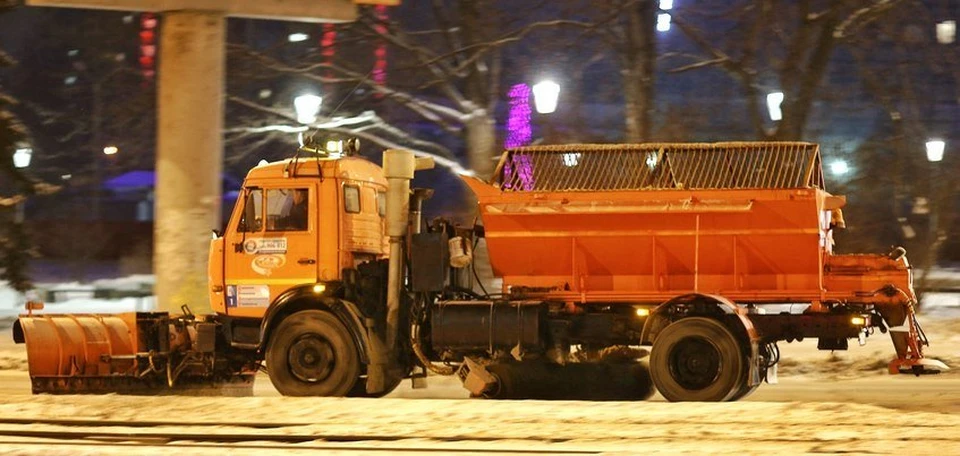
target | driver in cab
[{"x": 296, "y": 217}]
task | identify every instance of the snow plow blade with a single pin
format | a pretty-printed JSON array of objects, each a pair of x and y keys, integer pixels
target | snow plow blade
[{"x": 128, "y": 353}]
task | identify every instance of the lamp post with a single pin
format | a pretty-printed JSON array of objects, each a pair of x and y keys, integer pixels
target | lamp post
[
  {"x": 96, "y": 141},
  {"x": 935, "y": 149},
  {"x": 21, "y": 160},
  {"x": 307, "y": 107}
]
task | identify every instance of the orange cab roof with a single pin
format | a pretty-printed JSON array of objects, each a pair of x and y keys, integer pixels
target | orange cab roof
[{"x": 349, "y": 168}]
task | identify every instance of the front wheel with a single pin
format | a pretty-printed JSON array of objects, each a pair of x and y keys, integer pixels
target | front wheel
[
  {"x": 360, "y": 388},
  {"x": 698, "y": 359},
  {"x": 311, "y": 353}
]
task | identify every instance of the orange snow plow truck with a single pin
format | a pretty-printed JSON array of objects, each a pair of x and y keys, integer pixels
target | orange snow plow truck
[{"x": 328, "y": 277}]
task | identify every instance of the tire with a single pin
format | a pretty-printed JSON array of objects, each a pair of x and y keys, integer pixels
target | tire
[
  {"x": 312, "y": 353},
  {"x": 745, "y": 390},
  {"x": 698, "y": 359},
  {"x": 360, "y": 388}
]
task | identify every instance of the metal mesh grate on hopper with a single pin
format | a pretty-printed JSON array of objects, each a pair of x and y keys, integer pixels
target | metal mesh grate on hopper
[{"x": 655, "y": 166}]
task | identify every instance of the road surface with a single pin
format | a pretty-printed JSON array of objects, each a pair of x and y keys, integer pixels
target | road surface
[{"x": 826, "y": 403}]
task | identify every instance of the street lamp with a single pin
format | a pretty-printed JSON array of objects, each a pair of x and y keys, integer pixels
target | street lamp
[
  {"x": 21, "y": 157},
  {"x": 297, "y": 37},
  {"x": 774, "y": 99},
  {"x": 110, "y": 150},
  {"x": 545, "y": 95},
  {"x": 663, "y": 22},
  {"x": 307, "y": 107},
  {"x": 839, "y": 167},
  {"x": 946, "y": 32},
  {"x": 935, "y": 149}
]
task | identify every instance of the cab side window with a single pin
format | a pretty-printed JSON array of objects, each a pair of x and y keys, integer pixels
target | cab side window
[
  {"x": 351, "y": 199},
  {"x": 252, "y": 219},
  {"x": 288, "y": 209}
]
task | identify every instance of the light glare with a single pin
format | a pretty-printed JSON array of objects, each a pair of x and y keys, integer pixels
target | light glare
[
  {"x": 571, "y": 159},
  {"x": 334, "y": 146},
  {"x": 946, "y": 32},
  {"x": 839, "y": 167},
  {"x": 774, "y": 99},
  {"x": 297, "y": 37},
  {"x": 307, "y": 107},
  {"x": 666, "y": 4},
  {"x": 545, "y": 96},
  {"x": 663, "y": 22},
  {"x": 935, "y": 148},
  {"x": 21, "y": 157},
  {"x": 110, "y": 150}
]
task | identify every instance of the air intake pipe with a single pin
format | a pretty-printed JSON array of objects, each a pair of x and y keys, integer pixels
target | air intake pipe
[{"x": 398, "y": 167}]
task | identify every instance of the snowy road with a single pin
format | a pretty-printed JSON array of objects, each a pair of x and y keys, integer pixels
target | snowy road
[
  {"x": 877, "y": 414},
  {"x": 826, "y": 403}
]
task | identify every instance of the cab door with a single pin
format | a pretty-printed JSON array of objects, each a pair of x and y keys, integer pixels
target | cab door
[{"x": 273, "y": 247}]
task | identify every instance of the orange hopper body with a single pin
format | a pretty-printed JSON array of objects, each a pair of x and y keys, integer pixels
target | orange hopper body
[{"x": 644, "y": 223}]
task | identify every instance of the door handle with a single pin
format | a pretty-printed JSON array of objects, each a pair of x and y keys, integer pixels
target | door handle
[{"x": 307, "y": 261}]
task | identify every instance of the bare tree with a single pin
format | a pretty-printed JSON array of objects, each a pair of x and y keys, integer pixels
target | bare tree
[
  {"x": 14, "y": 244},
  {"x": 909, "y": 75},
  {"x": 772, "y": 45},
  {"x": 446, "y": 70}
]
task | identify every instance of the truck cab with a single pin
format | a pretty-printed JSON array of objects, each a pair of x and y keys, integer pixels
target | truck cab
[{"x": 297, "y": 223}]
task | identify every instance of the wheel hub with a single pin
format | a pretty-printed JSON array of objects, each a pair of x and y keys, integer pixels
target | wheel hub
[
  {"x": 694, "y": 363},
  {"x": 311, "y": 358}
]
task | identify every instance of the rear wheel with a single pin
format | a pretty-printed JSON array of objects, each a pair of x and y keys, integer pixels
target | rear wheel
[
  {"x": 312, "y": 353},
  {"x": 698, "y": 359}
]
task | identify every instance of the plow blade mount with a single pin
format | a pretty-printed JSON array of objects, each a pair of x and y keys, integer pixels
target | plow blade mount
[{"x": 121, "y": 353}]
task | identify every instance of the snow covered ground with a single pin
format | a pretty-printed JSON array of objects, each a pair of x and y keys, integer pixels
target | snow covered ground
[{"x": 75, "y": 297}]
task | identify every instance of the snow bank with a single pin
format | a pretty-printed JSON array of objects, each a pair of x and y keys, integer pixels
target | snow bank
[{"x": 75, "y": 297}]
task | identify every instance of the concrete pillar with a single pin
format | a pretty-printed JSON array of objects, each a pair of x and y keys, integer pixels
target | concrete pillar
[{"x": 189, "y": 155}]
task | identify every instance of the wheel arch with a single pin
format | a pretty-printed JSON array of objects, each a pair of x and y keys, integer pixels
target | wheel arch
[
  {"x": 304, "y": 298},
  {"x": 699, "y": 305},
  {"x": 715, "y": 307}
]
